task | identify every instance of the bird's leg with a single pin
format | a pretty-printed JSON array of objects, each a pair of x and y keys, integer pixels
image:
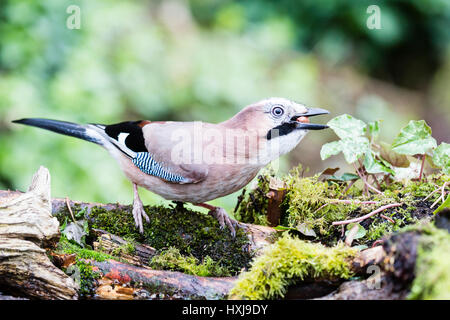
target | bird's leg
[
  {"x": 179, "y": 206},
  {"x": 138, "y": 210},
  {"x": 221, "y": 215}
]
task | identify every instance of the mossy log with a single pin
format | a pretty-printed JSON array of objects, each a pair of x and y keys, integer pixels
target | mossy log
[
  {"x": 170, "y": 283},
  {"x": 114, "y": 245},
  {"x": 27, "y": 228}
]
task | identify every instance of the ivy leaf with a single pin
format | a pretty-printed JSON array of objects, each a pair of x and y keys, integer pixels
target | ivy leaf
[
  {"x": 76, "y": 231},
  {"x": 359, "y": 234},
  {"x": 353, "y": 144},
  {"x": 328, "y": 172},
  {"x": 307, "y": 231},
  {"x": 353, "y": 148},
  {"x": 345, "y": 126},
  {"x": 413, "y": 139},
  {"x": 441, "y": 157},
  {"x": 373, "y": 165},
  {"x": 374, "y": 129},
  {"x": 330, "y": 149},
  {"x": 394, "y": 158}
]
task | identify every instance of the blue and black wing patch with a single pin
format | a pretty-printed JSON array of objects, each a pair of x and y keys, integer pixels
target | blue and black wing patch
[
  {"x": 146, "y": 164},
  {"x": 128, "y": 137}
]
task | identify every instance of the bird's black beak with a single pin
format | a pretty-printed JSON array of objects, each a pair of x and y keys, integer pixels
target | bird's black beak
[{"x": 302, "y": 119}]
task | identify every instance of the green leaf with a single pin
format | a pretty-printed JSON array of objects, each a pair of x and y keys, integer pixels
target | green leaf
[
  {"x": 353, "y": 148},
  {"x": 359, "y": 234},
  {"x": 374, "y": 129},
  {"x": 345, "y": 177},
  {"x": 330, "y": 149},
  {"x": 361, "y": 247},
  {"x": 441, "y": 157},
  {"x": 283, "y": 228},
  {"x": 345, "y": 126},
  {"x": 373, "y": 165},
  {"x": 394, "y": 158},
  {"x": 307, "y": 231},
  {"x": 413, "y": 139},
  {"x": 352, "y": 144},
  {"x": 75, "y": 231},
  {"x": 446, "y": 204}
]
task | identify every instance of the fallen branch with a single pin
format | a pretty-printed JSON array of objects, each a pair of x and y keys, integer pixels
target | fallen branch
[
  {"x": 355, "y": 220},
  {"x": 167, "y": 282},
  {"x": 115, "y": 245}
]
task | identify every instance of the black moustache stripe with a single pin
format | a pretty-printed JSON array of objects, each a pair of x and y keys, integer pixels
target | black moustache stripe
[{"x": 281, "y": 130}]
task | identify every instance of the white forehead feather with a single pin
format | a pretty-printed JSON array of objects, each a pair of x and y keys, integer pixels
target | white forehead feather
[{"x": 299, "y": 107}]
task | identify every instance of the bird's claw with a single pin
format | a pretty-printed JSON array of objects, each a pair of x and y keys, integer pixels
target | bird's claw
[
  {"x": 138, "y": 213},
  {"x": 224, "y": 220}
]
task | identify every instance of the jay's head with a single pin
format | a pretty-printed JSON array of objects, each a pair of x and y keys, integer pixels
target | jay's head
[
  {"x": 278, "y": 117},
  {"x": 279, "y": 121}
]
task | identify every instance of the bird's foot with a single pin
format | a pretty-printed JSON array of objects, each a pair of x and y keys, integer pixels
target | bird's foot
[
  {"x": 221, "y": 215},
  {"x": 138, "y": 213}
]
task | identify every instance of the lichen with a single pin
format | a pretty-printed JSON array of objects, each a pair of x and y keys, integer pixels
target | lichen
[
  {"x": 287, "y": 261},
  {"x": 172, "y": 259}
]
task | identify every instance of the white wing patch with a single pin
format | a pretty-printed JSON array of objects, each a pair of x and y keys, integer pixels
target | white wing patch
[{"x": 122, "y": 136}]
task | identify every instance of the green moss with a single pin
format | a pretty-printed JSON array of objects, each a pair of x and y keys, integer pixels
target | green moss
[
  {"x": 432, "y": 280},
  {"x": 172, "y": 259},
  {"x": 192, "y": 233},
  {"x": 287, "y": 261},
  {"x": 82, "y": 271},
  {"x": 252, "y": 206},
  {"x": 306, "y": 201},
  {"x": 85, "y": 277},
  {"x": 65, "y": 246}
]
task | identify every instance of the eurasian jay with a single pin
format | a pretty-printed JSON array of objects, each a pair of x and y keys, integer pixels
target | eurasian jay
[{"x": 196, "y": 161}]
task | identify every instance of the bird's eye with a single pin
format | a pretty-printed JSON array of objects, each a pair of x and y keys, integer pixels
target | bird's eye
[{"x": 277, "y": 111}]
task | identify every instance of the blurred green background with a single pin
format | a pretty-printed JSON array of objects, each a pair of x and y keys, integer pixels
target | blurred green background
[{"x": 205, "y": 60}]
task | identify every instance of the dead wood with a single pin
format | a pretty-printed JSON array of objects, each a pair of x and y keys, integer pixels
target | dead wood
[
  {"x": 277, "y": 191},
  {"x": 27, "y": 228},
  {"x": 171, "y": 283},
  {"x": 115, "y": 245}
]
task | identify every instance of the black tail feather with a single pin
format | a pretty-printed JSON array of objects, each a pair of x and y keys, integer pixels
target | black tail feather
[{"x": 62, "y": 127}]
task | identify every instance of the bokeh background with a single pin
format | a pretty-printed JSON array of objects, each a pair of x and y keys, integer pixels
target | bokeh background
[{"x": 205, "y": 60}]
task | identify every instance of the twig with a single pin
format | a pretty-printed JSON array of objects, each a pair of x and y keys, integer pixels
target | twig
[
  {"x": 377, "y": 243},
  {"x": 348, "y": 187},
  {"x": 345, "y": 202},
  {"x": 70, "y": 209},
  {"x": 433, "y": 192},
  {"x": 374, "y": 177},
  {"x": 362, "y": 176},
  {"x": 336, "y": 223},
  {"x": 387, "y": 218},
  {"x": 442, "y": 196},
  {"x": 421, "y": 167}
]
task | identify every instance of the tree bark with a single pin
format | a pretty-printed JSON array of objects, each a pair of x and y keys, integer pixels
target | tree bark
[{"x": 27, "y": 228}]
